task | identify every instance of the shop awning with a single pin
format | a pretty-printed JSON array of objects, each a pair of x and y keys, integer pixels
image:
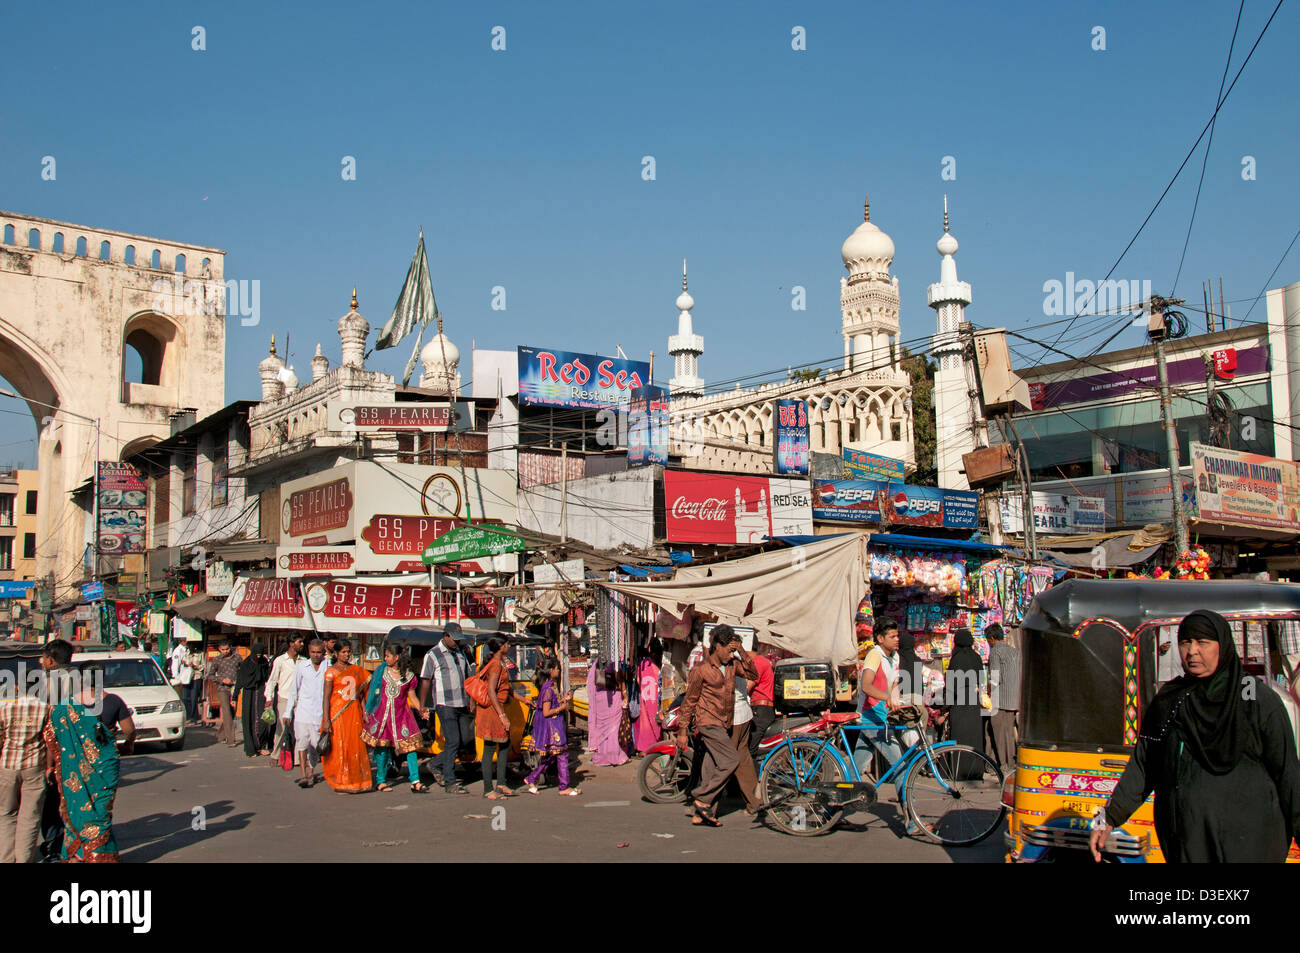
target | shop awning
[
  {"x": 245, "y": 551},
  {"x": 199, "y": 606},
  {"x": 805, "y": 605},
  {"x": 931, "y": 542}
]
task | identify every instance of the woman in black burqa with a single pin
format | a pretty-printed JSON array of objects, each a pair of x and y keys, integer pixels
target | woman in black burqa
[
  {"x": 1217, "y": 750},
  {"x": 250, "y": 683},
  {"x": 962, "y": 683}
]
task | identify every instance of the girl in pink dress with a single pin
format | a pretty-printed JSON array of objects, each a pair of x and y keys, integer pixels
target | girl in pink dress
[{"x": 646, "y": 728}]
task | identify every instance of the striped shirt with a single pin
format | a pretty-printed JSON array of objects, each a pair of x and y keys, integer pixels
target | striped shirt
[
  {"x": 1004, "y": 677},
  {"x": 447, "y": 669},
  {"x": 22, "y": 724}
]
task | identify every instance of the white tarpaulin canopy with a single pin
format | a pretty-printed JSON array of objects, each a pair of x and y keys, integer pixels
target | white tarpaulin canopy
[{"x": 802, "y": 599}]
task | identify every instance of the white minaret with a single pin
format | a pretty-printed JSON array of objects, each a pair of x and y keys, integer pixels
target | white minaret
[
  {"x": 952, "y": 408},
  {"x": 685, "y": 347},
  {"x": 869, "y": 300}
]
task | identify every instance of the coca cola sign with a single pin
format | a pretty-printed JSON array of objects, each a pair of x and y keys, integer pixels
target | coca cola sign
[{"x": 725, "y": 508}]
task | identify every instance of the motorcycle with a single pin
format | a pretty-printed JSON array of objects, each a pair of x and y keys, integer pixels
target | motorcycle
[{"x": 664, "y": 774}]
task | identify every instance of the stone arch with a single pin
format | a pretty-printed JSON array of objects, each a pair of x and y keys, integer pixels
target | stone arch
[
  {"x": 9, "y": 234},
  {"x": 132, "y": 447},
  {"x": 128, "y": 256},
  {"x": 154, "y": 337},
  {"x": 155, "y": 260},
  {"x": 105, "y": 251},
  {"x": 56, "y": 243},
  {"x": 81, "y": 246},
  {"x": 180, "y": 264},
  {"x": 34, "y": 239}
]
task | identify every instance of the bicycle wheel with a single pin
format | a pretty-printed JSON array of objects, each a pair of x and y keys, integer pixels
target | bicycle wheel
[
  {"x": 959, "y": 801},
  {"x": 789, "y": 782},
  {"x": 663, "y": 778}
]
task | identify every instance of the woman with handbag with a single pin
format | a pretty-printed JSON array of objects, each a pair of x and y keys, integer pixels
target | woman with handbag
[
  {"x": 491, "y": 725},
  {"x": 391, "y": 728},
  {"x": 344, "y": 760}
]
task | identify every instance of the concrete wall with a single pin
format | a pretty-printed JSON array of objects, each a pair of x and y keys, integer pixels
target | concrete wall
[{"x": 606, "y": 511}]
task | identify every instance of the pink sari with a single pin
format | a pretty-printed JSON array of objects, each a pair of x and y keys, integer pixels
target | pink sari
[
  {"x": 605, "y": 711},
  {"x": 646, "y": 727}
]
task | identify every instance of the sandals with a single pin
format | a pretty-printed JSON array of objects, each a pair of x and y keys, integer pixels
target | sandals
[
  {"x": 570, "y": 792},
  {"x": 495, "y": 796},
  {"x": 704, "y": 816},
  {"x": 385, "y": 786},
  {"x": 532, "y": 789},
  {"x": 419, "y": 788}
]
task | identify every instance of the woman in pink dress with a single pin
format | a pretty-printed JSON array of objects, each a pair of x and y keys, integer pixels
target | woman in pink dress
[
  {"x": 605, "y": 712},
  {"x": 646, "y": 727}
]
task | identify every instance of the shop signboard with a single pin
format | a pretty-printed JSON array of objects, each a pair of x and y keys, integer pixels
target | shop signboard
[
  {"x": 319, "y": 509},
  {"x": 861, "y": 465},
  {"x": 647, "y": 431},
  {"x": 470, "y": 542},
  {"x": 1147, "y": 498},
  {"x": 269, "y": 603},
  {"x": 91, "y": 591},
  {"x": 218, "y": 577},
  {"x": 732, "y": 508},
  {"x": 351, "y": 605},
  {"x": 1185, "y": 371},
  {"x": 861, "y": 501},
  {"x": 128, "y": 586},
  {"x": 550, "y": 378},
  {"x": 791, "y": 451},
  {"x": 292, "y": 562},
  {"x": 568, "y": 570},
  {"x": 84, "y": 613},
  {"x": 424, "y": 417},
  {"x": 1246, "y": 489},
  {"x": 1088, "y": 514},
  {"x": 14, "y": 588},
  {"x": 123, "y": 504}
]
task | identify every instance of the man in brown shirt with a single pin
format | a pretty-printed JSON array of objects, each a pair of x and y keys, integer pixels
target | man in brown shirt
[{"x": 710, "y": 702}]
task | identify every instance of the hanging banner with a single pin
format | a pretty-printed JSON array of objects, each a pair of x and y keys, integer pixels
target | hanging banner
[
  {"x": 294, "y": 561},
  {"x": 1246, "y": 489},
  {"x": 122, "y": 497},
  {"x": 92, "y": 591},
  {"x": 549, "y": 378},
  {"x": 725, "y": 508},
  {"x": 647, "y": 431},
  {"x": 458, "y": 545},
  {"x": 862, "y": 501},
  {"x": 861, "y": 465},
  {"x": 790, "y": 451}
]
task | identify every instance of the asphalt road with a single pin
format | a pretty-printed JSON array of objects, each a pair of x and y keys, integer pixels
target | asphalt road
[{"x": 210, "y": 803}]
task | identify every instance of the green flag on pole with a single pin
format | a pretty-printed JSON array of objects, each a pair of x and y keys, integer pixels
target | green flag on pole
[{"x": 415, "y": 308}]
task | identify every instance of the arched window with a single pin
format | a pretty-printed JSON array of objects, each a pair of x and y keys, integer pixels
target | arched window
[
  {"x": 34, "y": 239},
  {"x": 81, "y": 247},
  {"x": 9, "y": 234},
  {"x": 56, "y": 244},
  {"x": 156, "y": 261},
  {"x": 105, "y": 251},
  {"x": 129, "y": 255},
  {"x": 180, "y": 263},
  {"x": 205, "y": 266},
  {"x": 146, "y": 339}
]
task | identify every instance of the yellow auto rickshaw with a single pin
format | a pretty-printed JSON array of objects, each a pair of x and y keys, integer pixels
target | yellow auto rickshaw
[{"x": 1093, "y": 654}]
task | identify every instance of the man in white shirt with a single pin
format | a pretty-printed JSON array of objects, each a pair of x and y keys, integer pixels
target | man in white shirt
[
  {"x": 280, "y": 681},
  {"x": 182, "y": 669},
  {"x": 306, "y": 702}
]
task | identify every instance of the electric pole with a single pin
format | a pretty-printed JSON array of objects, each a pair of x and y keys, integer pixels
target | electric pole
[{"x": 1158, "y": 332}]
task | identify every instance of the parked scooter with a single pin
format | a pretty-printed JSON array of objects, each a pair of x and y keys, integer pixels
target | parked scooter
[{"x": 664, "y": 774}]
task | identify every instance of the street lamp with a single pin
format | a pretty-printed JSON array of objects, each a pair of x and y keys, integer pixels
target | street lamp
[{"x": 95, "y": 477}]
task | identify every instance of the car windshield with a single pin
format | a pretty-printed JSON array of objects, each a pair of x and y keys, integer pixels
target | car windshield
[{"x": 129, "y": 672}]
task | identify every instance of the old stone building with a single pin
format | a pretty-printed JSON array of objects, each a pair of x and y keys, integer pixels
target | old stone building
[{"x": 103, "y": 326}]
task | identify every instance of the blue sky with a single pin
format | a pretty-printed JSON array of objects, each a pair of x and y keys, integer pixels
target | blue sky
[{"x": 524, "y": 167}]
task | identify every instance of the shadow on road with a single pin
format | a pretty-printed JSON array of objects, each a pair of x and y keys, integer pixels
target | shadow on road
[
  {"x": 141, "y": 769},
  {"x": 157, "y": 835}
]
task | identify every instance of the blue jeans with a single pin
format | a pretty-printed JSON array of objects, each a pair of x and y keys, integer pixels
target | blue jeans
[
  {"x": 452, "y": 739},
  {"x": 886, "y": 744}
]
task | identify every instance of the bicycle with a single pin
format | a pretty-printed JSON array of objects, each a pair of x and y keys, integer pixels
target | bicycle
[{"x": 951, "y": 793}]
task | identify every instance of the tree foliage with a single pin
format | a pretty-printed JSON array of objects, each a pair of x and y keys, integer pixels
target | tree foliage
[{"x": 921, "y": 369}]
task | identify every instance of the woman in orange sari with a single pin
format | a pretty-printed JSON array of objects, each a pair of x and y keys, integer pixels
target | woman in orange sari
[{"x": 347, "y": 765}]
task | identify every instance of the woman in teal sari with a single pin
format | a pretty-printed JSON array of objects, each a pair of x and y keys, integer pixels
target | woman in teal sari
[{"x": 86, "y": 771}]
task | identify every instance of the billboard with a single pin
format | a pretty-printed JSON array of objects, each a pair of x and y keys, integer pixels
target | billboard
[
  {"x": 349, "y": 417},
  {"x": 123, "y": 503},
  {"x": 1246, "y": 489},
  {"x": 790, "y": 450},
  {"x": 647, "y": 433},
  {"x": 550, "y": 378},
  {"x": 1060, "y": 514},
  {"x": 392, "y": 511},
  {"x": 861, "y": 465},
  {"x": 862, "y": 501},
  {"x": 731, "y": 508}
]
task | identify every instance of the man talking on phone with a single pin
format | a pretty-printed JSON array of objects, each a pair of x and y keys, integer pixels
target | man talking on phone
[{"x": 710, "y": 703}]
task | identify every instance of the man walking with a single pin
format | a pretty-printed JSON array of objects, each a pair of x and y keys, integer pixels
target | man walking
[
  {"x": 280, "y": 680},
  {"x": 225, "y": 668},
  {"x": 24, "y": 759},
  {"x": 443, "y": 674},
  {"x": 1004, "y": 691},
  {"x": 306, "y": 702},
  {"x": 762, "y": 699},
  {"x": 710, "y": 702}
]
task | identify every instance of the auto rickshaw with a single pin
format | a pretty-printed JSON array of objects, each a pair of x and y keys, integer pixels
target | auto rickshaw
[{"x": 1093, "y": 654}]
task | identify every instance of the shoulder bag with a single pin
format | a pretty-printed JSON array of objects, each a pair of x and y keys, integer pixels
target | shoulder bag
[{"x": 476, "y": 687}]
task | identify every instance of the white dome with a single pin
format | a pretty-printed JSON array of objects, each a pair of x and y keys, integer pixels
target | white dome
[
  {"x": 432, "y": 353},
  {"x": 947, "y": 245},
  {"x": 867, "y": 244},
  {"x": 685, "y": 302}
]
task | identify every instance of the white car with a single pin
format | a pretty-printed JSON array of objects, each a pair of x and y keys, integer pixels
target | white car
[{"x": 137, "y": 679}]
